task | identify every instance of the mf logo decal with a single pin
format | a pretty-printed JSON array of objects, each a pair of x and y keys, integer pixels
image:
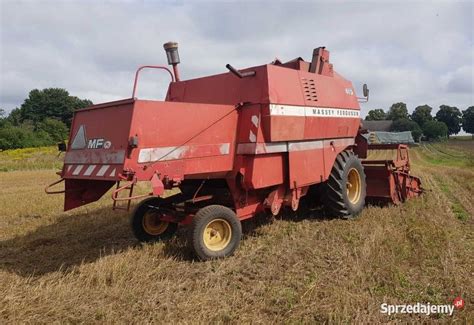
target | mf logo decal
[
  {"x": 80, "y": 141},
  {"x": 349, "y": 91},
  {"x": 98, "y": 143}
]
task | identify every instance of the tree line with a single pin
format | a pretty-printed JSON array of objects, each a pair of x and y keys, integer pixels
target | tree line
[
  {"x": 43, "y": 119},
  {"x": 448, "y": 120}
]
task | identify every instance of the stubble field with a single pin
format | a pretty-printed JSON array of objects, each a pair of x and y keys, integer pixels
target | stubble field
[{"x": 84, "y": 266}]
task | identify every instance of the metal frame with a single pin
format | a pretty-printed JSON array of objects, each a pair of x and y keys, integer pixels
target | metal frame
[{"x": 148, "y": 67}]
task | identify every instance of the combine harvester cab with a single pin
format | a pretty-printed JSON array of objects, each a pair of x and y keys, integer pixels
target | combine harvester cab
[{"x": 231, "y": 146}]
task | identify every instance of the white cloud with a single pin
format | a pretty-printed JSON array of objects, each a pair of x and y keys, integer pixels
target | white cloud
[
  {"x": 459, "y": 81},
  {"x": 416, "y": 52}
]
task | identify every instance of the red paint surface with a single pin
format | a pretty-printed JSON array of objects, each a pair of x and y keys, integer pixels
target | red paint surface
[{"x": 201, "y": 115}]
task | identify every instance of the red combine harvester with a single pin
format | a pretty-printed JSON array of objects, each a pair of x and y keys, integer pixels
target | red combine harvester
[{"x": 234, "y": 144}]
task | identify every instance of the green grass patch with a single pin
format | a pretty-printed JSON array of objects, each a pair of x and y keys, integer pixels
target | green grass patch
[
  {"x": 456, "y": 207},
  {"x": 441, "y": 155},
  {"x": 459, "y": 211}
]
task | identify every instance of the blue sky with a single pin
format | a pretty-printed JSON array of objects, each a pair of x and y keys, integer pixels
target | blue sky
[{"x": 416, "y": 52}]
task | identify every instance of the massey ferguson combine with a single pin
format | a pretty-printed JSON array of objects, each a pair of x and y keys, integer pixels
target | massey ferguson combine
[{"x": 234, "y": 144}]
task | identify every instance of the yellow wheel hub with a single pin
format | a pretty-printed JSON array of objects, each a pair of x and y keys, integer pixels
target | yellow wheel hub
[
  {"x": 353, "y": 185},
  {"x": 153, "y": 225},
  {"x": 217, "y": 234}
]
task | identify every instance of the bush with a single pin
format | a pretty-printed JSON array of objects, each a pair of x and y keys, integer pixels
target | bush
[
  {"x": 14, "y": 137},
  {"x": 56, "y": 130},
  {"x": 435, "y": 130},
  {"x": 44, "y": 133},
  {"x": 407, "y": 125}
]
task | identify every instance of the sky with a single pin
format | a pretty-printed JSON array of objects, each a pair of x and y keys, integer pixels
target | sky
[{"x": 415, "y": 52}]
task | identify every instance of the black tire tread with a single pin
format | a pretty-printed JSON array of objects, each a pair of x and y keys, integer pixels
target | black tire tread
[{"x": 334, "y": 202}]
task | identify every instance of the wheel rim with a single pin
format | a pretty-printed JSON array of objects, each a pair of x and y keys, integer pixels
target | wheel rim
[
  {"x": 353, "y": 185},
  {"x": 217, "y": 234},
  {"x": 152, "y": 224}
]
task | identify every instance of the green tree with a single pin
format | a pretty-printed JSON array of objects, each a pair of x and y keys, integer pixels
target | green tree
[
  {"x": 435, "y": 130},
  {"x": 3, "y": 119},
  {"x": 14, "y": 117},
  {"x": 51, "y": 102},
  {"x": 405, "y": 124},
  {"x": 377, "y": 114},
  {"x": 468, "y": 120},
  {"x": 422, "y": 114},
  {"x": 451, "y": 116},
  {"x": 13, "y": 137},
  {"x": 56, "y": 130},
  {"x": 397, "y": 111}
]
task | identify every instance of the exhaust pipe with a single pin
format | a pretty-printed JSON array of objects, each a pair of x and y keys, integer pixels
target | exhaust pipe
[{"x": 171, "y": 49}]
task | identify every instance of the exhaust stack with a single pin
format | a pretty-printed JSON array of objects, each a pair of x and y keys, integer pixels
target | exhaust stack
[{"x": 171, "y": 49}]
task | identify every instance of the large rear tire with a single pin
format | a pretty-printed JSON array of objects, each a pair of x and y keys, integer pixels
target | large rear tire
[
  {"x": 146, "y": 223},
  {"x": 215, "y": 232},
  {"x": 345, "y": 190}
]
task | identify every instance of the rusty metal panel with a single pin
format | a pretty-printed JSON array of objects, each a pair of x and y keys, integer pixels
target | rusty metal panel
[{"x": 86, "y": 156}]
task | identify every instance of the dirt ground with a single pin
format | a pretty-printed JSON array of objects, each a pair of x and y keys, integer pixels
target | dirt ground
[{"x": 84, "y": 266}]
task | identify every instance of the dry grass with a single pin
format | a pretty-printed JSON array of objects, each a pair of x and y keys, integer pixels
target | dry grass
[{"x": 85, "y": 266}]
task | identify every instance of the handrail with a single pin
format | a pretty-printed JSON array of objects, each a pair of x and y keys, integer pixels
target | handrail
[
  {"x": 47, "y": 191},
  {"x": 116, "y": 192},
  {"x": 148, "y": 67}
]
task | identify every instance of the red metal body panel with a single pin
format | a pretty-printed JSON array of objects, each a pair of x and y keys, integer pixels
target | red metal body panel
[
  {"x": 296, "y": 93},
  {"x": 109, "y": 123},
  {"x": 201, "y": 136},
  {"x": 205, "y": 145},
  {"x": 284, "y": 86},
  {"x": 222, "y": 89},
  {"x": 257, "y": 142},
  {"x": 264, "y": 171},
  {"x": 306, "y": 167}
]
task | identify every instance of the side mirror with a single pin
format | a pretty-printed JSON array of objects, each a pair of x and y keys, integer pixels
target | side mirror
[
  {"x": 365, "y": 90},
  {"x": 62, "y": 147}
]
